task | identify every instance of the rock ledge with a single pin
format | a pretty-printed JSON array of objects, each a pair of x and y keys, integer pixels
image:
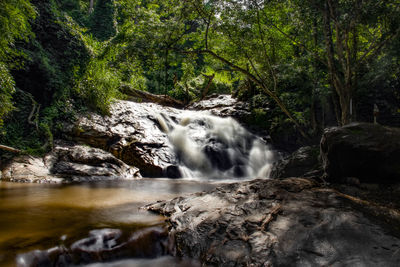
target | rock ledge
[{"x": 289, "y": 222}]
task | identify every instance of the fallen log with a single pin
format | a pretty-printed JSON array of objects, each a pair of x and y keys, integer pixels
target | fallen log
[
  {"x": 10, "y": 149},
  {"x": 142, "y": 96}
]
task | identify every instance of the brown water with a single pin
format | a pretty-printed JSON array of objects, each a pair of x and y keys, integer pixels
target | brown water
[{"x": 41, "y": 216}]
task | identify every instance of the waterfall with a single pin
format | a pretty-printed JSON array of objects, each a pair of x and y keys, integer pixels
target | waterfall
[{"x": 214, "y": 147}]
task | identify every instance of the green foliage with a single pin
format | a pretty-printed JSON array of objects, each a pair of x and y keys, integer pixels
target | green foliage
[
  {"x": 14, "y": 26},
  {"x": 17, "y": 132},
  {"x": 7, "y": 87},
  {"x": 102, "y": 20},
  {"x": 77, "y": 10},
  {"x": 98, "y": 86},
  {"x": 54, "y": 56}
]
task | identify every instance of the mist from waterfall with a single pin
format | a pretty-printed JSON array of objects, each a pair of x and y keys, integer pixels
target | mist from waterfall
[{"x": 208, "y": 146}]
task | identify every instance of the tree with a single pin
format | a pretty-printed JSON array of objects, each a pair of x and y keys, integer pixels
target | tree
[
  {"x": 353, "y": 34},
  {"x": 91, "y": 6},
  {"x": 14, "y": 25},
  {"x": 233, "y": 33},
  {"x": 353, "y": 38}
]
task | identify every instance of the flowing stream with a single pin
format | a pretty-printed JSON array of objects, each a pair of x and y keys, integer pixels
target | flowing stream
[
  {"x": 212, "y": 147},
  {"x": 42, "y": 219}
]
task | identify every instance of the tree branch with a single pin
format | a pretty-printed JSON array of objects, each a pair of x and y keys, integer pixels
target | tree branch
[
  {"x": 10, "y": 149},
  {"x": 376, "y": 47},
  {"x": 255, "y": 80}
]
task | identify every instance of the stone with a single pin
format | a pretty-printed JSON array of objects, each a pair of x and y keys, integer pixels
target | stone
[
  {"x": 173, "y": 171},
  {"x": 131, "y": 132},
  {"x": 304, "y": 162},
  {"x": 280, "y": 222},
  {"x": 223, "y": 106},
  {"x": 153, "y": 137},
  {"x": 66, "y": 163},
  {"x": 102, "y": 245},
  {"x": 369, "y": 152},
  {"x": 217, "y": 154}
]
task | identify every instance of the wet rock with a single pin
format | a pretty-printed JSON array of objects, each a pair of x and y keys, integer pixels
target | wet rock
[
  {"x": 42, "y": 258},
  {"x": 153, "y": 138},
  {"x": 131, "y": 133},
  {"x": 288, "y": 222},
  {"x": 223, "y": 106},
  {"x": 304, "y": 162},
  {"x": 369, "y": 152},
  {"x": 66, "y": 163},
  {"x": 173, "y": 171},
  {"x": 102, "y": 245},
  {"x": 108, "y": 244},
  {"x": 218, "y": 155}
]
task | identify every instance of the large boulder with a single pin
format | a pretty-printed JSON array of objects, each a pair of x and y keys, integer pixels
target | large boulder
[
  {"x": 131, "y": 132},
  {"x": 67, "y": 163},
  {"x": 288, "y": 222},
  {"x": 368, "y": 152},
  {"x": 304, "y": 162}
]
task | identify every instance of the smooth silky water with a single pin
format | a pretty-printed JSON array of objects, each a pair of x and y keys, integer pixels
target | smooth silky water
[{"x": 41, "y": 216}]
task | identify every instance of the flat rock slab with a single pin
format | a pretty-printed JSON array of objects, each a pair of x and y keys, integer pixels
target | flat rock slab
[
  {"x": 290, "y": 222},
  {"x": 68, "y": 163}
]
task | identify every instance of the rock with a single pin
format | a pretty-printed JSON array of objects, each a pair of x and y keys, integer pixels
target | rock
[
  {"x": 66, "y": 163},
  {"x": 102, "y": 245},
  {"x": 173, "y": 171},
  {"x": 131, "y": 133},
  {"x": 153, "y": 138},
  {"x": 223, "y": 106},
  {"x": 29, "y": 169},
  {"x": 288, "y": 222},
  {"x": 304, "y": 162},
  {"x": 369, "y": 152},
  {"x": 217, "y": 154}
]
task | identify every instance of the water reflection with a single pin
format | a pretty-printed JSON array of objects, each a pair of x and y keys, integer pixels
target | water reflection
[{"x": 35, "y": 216}]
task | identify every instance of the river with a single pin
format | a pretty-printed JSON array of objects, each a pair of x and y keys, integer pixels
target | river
[{"x": 42, "y": 216}]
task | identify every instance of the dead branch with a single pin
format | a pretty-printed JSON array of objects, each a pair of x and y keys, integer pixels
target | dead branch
[
  {"x": 10, "y": 149},
  {"x": 142, "y": 96}
]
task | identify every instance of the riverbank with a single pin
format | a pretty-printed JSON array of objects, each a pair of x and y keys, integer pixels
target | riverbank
[{"x": 289, "y": 222}]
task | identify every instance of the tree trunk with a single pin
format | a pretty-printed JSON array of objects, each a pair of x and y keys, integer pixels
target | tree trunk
[
  {"x": 336, "y": 106},
  {"x": 91, "y": 6},
  {"x": 344, "y": 99},
  {"x": 205, "y": 90},
  {"x": 166, "y": 73},
  {"x": 342, "y": 85}
]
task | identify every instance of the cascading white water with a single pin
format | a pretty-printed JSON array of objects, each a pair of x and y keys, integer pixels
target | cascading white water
[{"x": 214, "y": 147}]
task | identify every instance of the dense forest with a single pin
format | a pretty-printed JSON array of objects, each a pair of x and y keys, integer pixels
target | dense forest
[
  {"x": 199, "y": 132},
  {"x": 301, "y": 65}
]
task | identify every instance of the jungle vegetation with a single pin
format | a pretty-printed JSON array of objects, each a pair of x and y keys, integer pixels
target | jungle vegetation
[{"x": 302, "y": 65}]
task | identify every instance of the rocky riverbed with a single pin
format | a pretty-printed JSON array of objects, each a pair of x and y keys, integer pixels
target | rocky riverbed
[
  {"x": 347, "y": 213},
  {"x": 289, "y": 222}
]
